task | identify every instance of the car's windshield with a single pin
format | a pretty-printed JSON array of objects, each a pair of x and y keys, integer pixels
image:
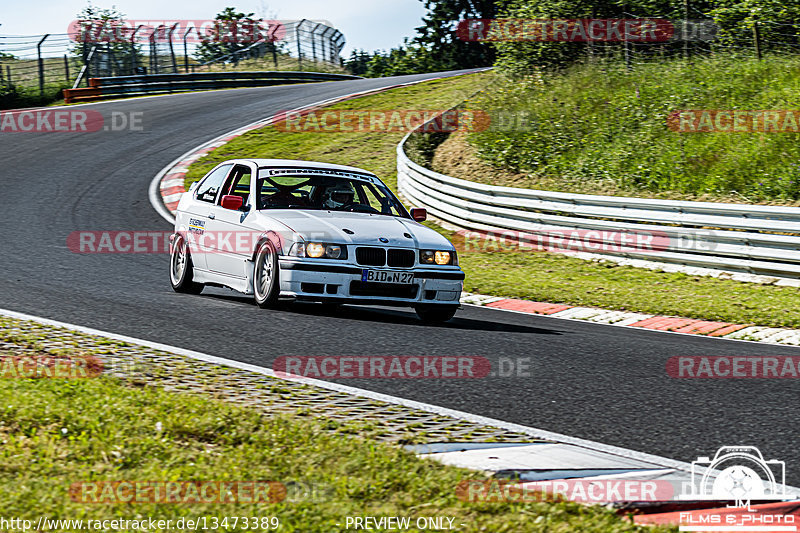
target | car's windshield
[{"x": 333, "y": 191}]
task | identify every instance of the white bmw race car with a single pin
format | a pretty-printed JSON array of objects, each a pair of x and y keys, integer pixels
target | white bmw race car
[{"x": 300, "y": 230}]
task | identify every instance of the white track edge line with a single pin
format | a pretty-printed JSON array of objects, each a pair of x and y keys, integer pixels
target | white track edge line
[{"x": 413, "y": 404}]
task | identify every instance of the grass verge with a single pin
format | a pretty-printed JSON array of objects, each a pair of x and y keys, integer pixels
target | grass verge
[
  {"x": 373, "y": 150},
  {"x": 597, "y": 127},
  {"x": 529, "y": 275},
  {"x": 59, "y": 432}
]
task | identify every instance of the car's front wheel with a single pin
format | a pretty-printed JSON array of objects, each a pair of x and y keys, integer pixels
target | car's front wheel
[
  {"x": 181, "y": 270},
  {"x": 436, "y": 314},
  {"x": 265, "y": 279}
]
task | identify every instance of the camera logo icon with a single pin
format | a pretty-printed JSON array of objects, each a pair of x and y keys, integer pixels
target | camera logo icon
[{"x": 737, "y": 473}]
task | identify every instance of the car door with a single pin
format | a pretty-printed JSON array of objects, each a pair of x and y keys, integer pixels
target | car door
[
  {"x": 234, "y": 241},
  {"x": 198, "y": 211}
]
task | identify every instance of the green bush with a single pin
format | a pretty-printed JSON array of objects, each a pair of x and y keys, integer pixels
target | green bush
[{"x": 14, "y": 96}]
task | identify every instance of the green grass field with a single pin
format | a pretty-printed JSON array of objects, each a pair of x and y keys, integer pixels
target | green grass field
[
  {"x": 57, "y": 433},
  {"x": 530, "y": 275},
  {"x": 597, "y": 127}
]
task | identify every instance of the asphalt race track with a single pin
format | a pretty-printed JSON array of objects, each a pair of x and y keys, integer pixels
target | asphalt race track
[{"x": 591, "y": 381}]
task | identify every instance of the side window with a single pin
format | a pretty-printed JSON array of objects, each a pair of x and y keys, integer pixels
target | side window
[
  {"x": 208, "y": 189},
  {"x": 238, "y": 183}
]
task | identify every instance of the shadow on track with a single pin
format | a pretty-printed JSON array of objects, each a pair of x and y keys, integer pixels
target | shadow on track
[{"x": 385, "y": 315}]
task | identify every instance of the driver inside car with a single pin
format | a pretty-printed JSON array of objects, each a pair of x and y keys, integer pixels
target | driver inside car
[{"x": 337, "y": 196}]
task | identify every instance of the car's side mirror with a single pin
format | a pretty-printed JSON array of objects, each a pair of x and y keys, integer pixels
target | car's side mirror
[
  {"x": 232, "y": 202},
  {"x": 419, "y": 214}
]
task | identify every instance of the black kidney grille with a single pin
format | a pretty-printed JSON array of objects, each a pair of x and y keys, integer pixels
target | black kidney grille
[
  {"x": 370, "y": 256},
  {"x": 401, "y": 258}
]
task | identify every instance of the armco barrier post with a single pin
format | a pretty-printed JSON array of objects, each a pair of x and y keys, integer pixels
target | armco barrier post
[
  {"x": 757, "y": 40},
  {"x": 186, "y": 50},
  {"x": 134, "y": 59},
  {"x": 314, "y": 43},
  {"x": 112, "y": 61},
  {"x": 271, "y": 43},
  {"x": 41, "y": 65},
  {"x": 685, "y": 29},
  {"x": 299, "y": 50},
  {"x": 172, "y": 50}
]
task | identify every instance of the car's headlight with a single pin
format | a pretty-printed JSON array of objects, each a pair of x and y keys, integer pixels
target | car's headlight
[
  {"x": 315, "y": 249},
  {"x": 319, "y": 250},
  {"x": 437, "y": 257},
  {"x": 333, "y": 251}
]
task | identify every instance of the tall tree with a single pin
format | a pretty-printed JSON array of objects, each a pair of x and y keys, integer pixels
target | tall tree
[
  {"x": 105, "y": 30},
  {"x": 438, "y": 33},
  {"x": 233, "y": 31}
]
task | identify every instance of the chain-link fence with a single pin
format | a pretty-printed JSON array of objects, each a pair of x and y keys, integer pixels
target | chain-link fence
[
  {"x": 35, "y": 68},
  {"x": 316, "y": 40}
]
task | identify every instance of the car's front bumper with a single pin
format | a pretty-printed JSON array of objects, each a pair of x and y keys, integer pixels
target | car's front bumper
[{"x": 307, "y": 280}]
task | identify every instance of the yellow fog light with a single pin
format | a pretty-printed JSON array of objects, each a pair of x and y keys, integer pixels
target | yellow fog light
[
  {"x": 442, "y": 258},
  {"x": 315, "y": 249}
]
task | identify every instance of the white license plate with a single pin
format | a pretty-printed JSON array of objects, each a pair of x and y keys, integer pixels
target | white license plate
[{"x": 386, "y": 276}]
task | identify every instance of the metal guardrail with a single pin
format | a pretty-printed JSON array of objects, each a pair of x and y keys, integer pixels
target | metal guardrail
[
  {"x": 110, "y": 87},
  {"x": 756, "y": 239}
]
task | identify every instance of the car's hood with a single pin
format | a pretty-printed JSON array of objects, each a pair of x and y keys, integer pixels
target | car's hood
[{"x": 358, "y": 228}]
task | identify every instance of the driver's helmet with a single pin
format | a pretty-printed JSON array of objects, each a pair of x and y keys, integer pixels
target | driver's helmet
[{"x": 338, "y": 195}]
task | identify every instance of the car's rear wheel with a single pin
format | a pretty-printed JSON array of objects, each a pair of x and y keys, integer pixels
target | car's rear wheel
[
  {"x": 265, "y": 279},
  {"x": 181, "y": 270},
  {"x": 436, "y": 314}
]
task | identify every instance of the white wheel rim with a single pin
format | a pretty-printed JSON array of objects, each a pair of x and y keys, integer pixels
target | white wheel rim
[
  {"x": 264, "y": 273},
  {"x": 178, "y": 260}
]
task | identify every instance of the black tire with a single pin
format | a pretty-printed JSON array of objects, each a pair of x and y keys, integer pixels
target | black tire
[
  {"x": 266, "y": 287},
  {"x": 436, "y": 314},
  {"x": 181, "y": 269}
]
